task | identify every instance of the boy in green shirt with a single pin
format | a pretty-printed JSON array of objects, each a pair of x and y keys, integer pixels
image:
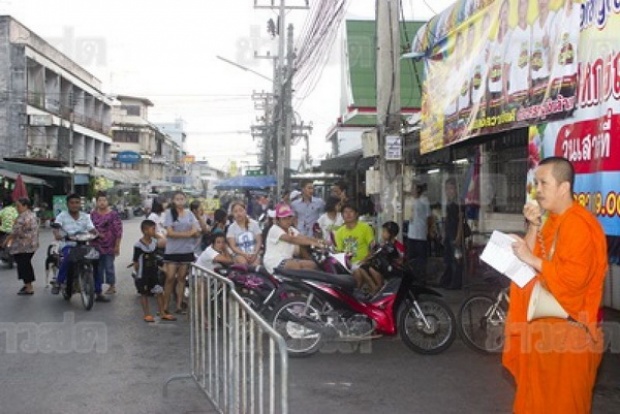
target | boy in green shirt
[{"x": 355, "y": 238}]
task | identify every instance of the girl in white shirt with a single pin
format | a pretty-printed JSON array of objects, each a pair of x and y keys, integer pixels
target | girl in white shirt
[
  {"x": 216, "y": 253},
  {"x": 157, "y": 215},
  {"x": 331, "y": 220}
]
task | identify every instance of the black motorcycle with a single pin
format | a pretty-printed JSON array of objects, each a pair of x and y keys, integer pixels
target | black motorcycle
[{"x": 80, "y": 277}]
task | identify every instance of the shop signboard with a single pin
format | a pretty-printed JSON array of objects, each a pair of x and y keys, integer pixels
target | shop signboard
[
  {"x": 589, "y": 137},
  {"x": 128, "y": 157},
  {"x": 507, "y": 65},
  {"x": 572, "y": 110}
]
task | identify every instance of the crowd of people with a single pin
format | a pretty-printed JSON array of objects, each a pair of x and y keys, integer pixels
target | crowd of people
[
  {"x": 564, "y": 243},
  {"x": 182, "y": 236}
]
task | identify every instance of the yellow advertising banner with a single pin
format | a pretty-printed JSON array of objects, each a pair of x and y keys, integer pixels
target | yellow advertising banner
[{"x": 498, "y": 66}]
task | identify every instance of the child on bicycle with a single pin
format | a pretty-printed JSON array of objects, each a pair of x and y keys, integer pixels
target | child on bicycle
[{"x": 147, "y": 270}]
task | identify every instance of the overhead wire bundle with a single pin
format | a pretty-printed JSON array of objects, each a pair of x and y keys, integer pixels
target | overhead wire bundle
[{"x": 316, "y": 39}]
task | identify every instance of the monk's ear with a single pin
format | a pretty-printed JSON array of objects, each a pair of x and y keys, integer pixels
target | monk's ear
[{"x": 565, "y": 188}]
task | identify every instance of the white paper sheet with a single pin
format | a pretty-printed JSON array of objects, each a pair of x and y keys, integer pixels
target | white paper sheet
[{"x": 499, "y": 255}]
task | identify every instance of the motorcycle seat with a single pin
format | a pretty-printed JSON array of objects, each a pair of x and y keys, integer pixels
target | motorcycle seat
[{"x": 343, "y": 281}]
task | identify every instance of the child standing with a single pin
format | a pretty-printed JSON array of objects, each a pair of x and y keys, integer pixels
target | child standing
[{"x": 147, "y": 271}]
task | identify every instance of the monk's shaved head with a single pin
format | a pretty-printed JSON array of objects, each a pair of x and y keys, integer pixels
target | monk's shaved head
[{"x": 561, "y": 169}]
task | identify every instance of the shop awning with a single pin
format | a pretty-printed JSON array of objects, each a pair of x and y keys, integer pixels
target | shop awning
[
  {"x": 348, "y": 162},
  {"x": 247, "y": 182},
  {"x": 27, "y": 179},
  {"x": 121, "y": 176},
  {"x": 33, "y": 169}
]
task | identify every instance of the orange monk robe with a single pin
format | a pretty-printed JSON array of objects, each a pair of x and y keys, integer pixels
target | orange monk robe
[{"x": 554, "y": 361}]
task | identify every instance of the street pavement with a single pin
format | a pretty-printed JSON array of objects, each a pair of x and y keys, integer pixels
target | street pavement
[{"x": 55, "y": 357}]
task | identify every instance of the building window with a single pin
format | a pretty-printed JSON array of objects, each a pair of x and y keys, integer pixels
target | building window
[
  {"x": 507, "y": 156},
  {"x": 127, "y": 136},
  {"x": 132, "y": 110}
]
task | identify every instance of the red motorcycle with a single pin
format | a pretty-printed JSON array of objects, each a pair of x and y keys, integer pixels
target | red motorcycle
[{"x": 328, "y": 308}]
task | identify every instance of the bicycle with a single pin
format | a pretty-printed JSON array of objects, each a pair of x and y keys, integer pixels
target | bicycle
[{"x": 481, "y": 320}]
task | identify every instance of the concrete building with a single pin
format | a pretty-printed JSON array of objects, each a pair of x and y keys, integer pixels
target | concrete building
[
  {"x": 160, "y": 156},
  {"x": 203, "y": 177},
  {"x": 53, "y": 114},
  {"x": 175, "y": 150}
]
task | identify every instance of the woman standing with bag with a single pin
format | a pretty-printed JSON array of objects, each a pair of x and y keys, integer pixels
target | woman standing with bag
[{"x": 23, "y": 242}]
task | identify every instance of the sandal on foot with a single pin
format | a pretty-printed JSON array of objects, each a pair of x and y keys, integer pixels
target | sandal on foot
[
  {"x": 168, "y": 317},
  {"x": 149, "y": 318}
]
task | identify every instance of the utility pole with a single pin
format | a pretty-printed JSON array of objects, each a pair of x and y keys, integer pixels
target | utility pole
[
  {"x": 283, "y": 113},
  {"x": 71, "y": 150},
  {"x": 287, "y": 105},
  {"x": 389, "y": 111}
]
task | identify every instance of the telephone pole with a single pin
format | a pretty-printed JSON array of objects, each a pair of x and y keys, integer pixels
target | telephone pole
[
  {"x": 283, "y": 108},
  {"x": 389, "y": 111}
]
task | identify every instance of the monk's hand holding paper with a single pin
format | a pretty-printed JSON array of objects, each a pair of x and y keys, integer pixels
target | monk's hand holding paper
[{"x": 523, "y": 252}]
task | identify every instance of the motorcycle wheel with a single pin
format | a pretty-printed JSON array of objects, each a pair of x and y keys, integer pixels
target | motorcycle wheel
[
  {"x": 301, "y": 341},
  {"x": 434, "y": 338},
  {"x": 87, "y": 285}
]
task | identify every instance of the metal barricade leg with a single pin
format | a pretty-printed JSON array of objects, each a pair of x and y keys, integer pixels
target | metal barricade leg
[{"x": 227, "y": 354}]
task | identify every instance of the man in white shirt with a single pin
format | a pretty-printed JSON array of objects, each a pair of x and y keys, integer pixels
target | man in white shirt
[
  {"x": 564, "y": 45},
  {"x": 540, "y": 59},
  {"x": 498, "y": 69},
  {"x": 518, "y": 59},
  {"x": 417, "y": 234}
]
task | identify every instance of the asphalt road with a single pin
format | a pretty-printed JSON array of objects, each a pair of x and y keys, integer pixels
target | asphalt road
[{"x": 57, "y": 358}]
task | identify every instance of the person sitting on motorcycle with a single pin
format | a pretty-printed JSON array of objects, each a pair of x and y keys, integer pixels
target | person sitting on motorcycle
[
  {"x": 283, "y": 241},
  {"x": 356, "y": 238},
  {"x": 73, "y": 222},
  {"x": 216, "y": 254},
  {"x": 394, "y": 250}
]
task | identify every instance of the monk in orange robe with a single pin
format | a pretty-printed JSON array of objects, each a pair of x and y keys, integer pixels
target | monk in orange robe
[{"x": 554, "y": 361}]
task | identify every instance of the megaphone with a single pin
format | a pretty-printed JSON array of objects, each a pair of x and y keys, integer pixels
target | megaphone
[{"x": 544, "y": 305}]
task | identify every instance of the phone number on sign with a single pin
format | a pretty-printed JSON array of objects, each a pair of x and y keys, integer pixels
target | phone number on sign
[{"x": 601, "y": 205}]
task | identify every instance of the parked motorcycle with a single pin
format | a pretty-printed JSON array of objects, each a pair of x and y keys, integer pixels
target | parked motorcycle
[
  {"x": 123, "y": 212},
  {"x": 138, "y": 212},
  {"x": 329, "y": 309},
  {"x": 255, "y": 285}
]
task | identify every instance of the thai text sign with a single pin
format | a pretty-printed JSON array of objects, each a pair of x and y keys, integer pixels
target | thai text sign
[{"x": 588, "y": 137}]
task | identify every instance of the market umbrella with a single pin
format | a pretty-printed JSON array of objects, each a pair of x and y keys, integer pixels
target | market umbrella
[
  {"x": 247, "y": 182},
  {"x": 19, "y": 191}
]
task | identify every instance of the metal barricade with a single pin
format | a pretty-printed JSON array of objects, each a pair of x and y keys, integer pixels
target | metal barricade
[{"x": 236, "y": 358}]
